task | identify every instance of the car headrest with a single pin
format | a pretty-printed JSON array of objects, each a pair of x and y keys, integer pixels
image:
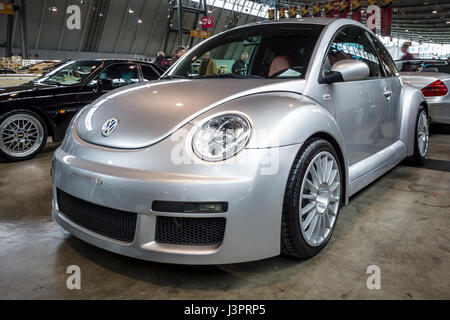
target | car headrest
[{"x": 278, "y": 64}]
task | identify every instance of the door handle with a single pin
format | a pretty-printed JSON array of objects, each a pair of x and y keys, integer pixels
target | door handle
[{"x": 387, "y": 94}]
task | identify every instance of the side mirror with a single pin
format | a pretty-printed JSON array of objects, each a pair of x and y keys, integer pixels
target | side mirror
[
  {"x": 105, "y": 84},
  {"x": 346, "y": 70}
]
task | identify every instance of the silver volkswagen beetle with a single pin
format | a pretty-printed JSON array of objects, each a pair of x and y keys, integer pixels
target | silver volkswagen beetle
[{"x": 245, "y": 149}]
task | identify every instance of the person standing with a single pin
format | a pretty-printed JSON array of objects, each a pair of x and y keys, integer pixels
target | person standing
[
  {"x": 208, "y": 66},
  {"x": 181, "y": 50},
  {"x": 406, "y": 66},
  {"x": 240, "y": 66},
  {"x": 160, "y": 56}
]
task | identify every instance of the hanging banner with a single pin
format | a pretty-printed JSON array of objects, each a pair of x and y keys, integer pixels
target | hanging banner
[
  {"x": 356, "y": 10},
  {"x": 200, "y": 33},
  {"x": 329, "y": 9},
  {"x": 344, "y": 8},
  {"x": 336, "y": 7},
  {"x": 304, "y": 11},
  {"x": 282, "y": 14},
  {"x": 6, "y": 8},
  {"x": 207, "y": 22},
  {"x": 293, "y": 12},
  {"x": 317, "y": 10},
  {"x": 386, "y": 18},
  {"x": 271, "y": 14},
  {"x": 373, "y": 15}
]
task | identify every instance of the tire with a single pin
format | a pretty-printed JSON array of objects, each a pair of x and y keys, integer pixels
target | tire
[
  {"x": 23, "y": 135},
  {"x": 294, "y": 227},
  {"x": 421, "y": 138}
]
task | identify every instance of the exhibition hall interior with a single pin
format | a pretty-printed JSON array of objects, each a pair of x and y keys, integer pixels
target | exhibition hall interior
[{"x": 225, "y": 150}]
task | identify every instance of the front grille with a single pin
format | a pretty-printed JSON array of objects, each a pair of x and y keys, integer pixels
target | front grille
[
  {"x": 111, "y": 223},
  {"x": 189, "y": 231}
]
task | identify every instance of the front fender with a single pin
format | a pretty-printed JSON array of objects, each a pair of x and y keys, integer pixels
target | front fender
[
  {"x": 410, "y": 102},
  {"x": 282, "y": 119}
]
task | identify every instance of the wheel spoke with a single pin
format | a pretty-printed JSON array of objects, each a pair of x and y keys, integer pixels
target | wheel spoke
[
  {"x": 311, "y": 185},
  {"x": 309, "y": 218},
  {"x": 308, "y": 208},
  {"x": 309, "y": 196},
  {"x": 312, "y": 226}
]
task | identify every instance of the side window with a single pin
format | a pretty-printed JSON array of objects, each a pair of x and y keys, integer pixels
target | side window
[
  {"x": 386, "y": 58},
  {"x": 121, "y": 74},
  {"x": 148, "y": 73},
  {"x": 352, "y": 43}
]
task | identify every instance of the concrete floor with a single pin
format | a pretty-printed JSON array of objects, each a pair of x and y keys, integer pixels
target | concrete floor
[{"x": 400, "y": 223}]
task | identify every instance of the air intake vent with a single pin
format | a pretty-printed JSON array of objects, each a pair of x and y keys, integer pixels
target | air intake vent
[
  {"x": 190, "y": 231},
  {"x": 111, "y": 223}
]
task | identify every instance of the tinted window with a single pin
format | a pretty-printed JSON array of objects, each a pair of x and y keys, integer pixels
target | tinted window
[
  {"x": 352, "y": 43},
  {"x": 386, "y": 58},
  {"x": 120, "y": 74},
  {"x": 148, "y": 73},
  {"x": 265, "y": 51}
]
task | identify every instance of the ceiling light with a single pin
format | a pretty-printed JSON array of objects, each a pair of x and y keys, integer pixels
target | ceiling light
[
  {"x": 434, "y": 11},
  {"x": 54, "y": 9},
  {"x": 406, "y": 30},
  {"x": 130, "y": 10},
  {"x": 448, "y": 22},
  {"x": 139, "y": 20}
]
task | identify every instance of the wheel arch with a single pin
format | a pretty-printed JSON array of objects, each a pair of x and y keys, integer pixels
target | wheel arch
[{"x": 412, "y": 100}]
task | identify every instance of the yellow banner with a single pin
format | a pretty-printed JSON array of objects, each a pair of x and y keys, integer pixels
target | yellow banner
[
  {"x": 6, "y": 8},
  {"x": 200, "y": 33}
]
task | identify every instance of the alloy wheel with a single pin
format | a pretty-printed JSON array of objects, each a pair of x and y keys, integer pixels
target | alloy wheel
[
  {"x": 20, "y": 135},
  {"x": 319, "y": 198},
  {"x": 422, "y": 134}
]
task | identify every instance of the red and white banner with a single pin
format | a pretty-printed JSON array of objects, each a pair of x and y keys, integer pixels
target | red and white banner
[
  {"x": 386, "y": 18},
  {"x": 207, "y": 22},
  {"x": 356, "y": 10},
  {"x": 373, "y": 15}
]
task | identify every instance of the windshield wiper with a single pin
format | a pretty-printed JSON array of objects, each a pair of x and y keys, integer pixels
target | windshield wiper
[
  {"x": 174, "y": 76},
  {"x": 230, "y": 75}
]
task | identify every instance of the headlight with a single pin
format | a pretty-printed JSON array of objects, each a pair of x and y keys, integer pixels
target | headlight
[{"x": 221, "y": 137}]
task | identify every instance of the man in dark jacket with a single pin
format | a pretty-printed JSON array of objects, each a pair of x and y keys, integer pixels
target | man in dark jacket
[
  {"x": 240, "y": 66},
  {"x": 160, "y": 57}
]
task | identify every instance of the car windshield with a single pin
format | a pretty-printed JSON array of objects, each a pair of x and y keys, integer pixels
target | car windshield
[
  {"x": 441, "y": 66},
  {"x": 70, "y": 73},
  {"x": 263, "y": 51}
]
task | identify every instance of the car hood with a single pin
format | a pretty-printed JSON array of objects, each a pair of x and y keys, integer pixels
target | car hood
[{"x": 148, "y": 113}]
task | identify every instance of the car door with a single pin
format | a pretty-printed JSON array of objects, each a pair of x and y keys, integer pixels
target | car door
[
  {"x": 360, "y": 106},
  {"x": 393, "y": 77},
  {"x": 121, "y": 74}
]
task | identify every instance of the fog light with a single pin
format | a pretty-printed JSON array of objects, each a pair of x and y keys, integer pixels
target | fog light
[{"x": 190, "y": 207}]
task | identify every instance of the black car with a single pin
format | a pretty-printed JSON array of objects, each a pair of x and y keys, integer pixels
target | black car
[
  {"x": 31, "y": 112},
  {"x": 7, "y": 71}
]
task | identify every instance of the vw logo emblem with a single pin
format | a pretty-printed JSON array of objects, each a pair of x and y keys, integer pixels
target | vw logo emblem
[{"x": 109, "y": 126}]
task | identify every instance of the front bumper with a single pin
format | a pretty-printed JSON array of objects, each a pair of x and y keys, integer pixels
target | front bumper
[{"x": 255, "y": 200}]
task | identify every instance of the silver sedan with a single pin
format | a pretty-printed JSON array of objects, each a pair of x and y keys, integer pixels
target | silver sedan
[
  {"x": 246, "y": 148},
  {"x": 432, "y": 77}
]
